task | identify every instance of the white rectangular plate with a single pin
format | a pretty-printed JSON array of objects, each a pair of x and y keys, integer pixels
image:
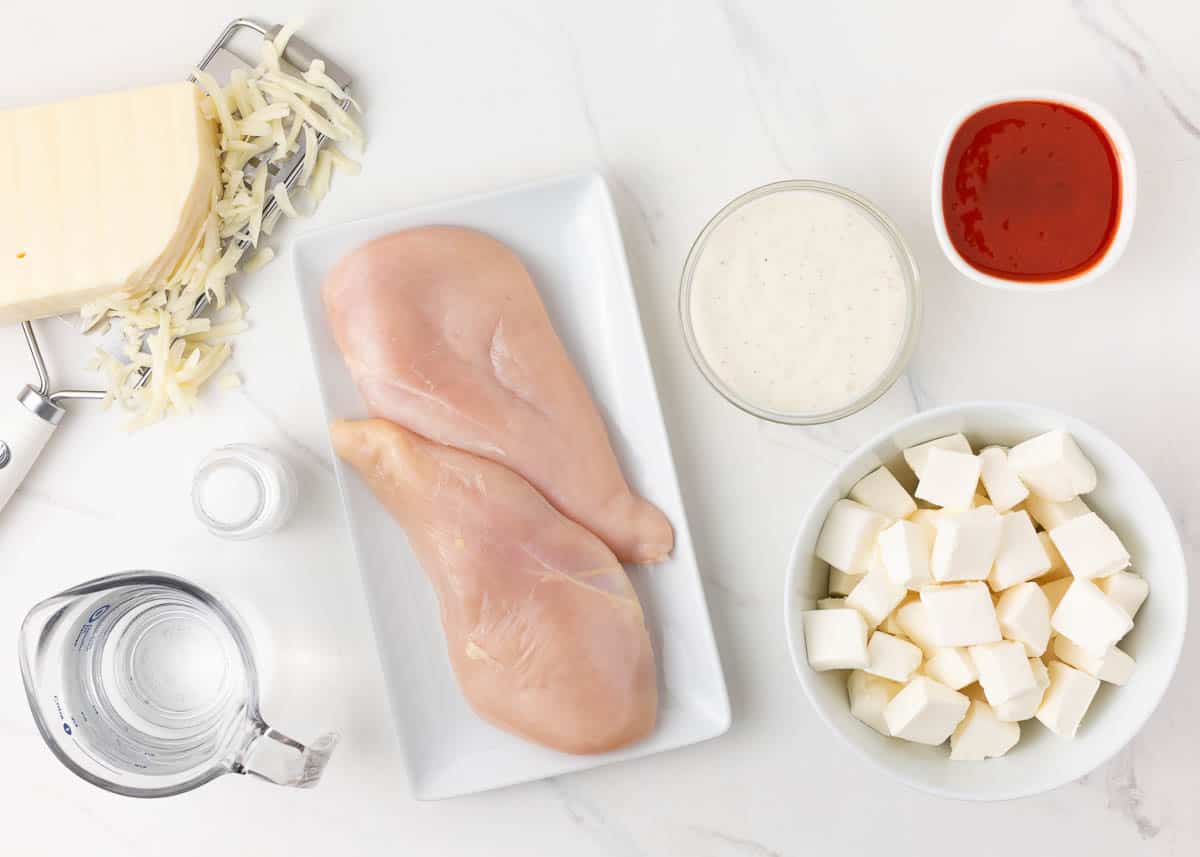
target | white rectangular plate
[{"x": 566, "y": 233}]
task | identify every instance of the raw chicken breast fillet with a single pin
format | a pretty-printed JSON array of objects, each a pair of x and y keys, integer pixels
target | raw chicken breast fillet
[
  {"x": 544, "y": 629},
  {"x": 445, "y": 334}
]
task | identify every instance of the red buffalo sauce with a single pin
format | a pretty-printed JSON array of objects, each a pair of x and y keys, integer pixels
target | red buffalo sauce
[{"x": 1031, "y": 191}]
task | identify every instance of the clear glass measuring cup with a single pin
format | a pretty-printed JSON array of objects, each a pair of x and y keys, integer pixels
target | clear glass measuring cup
[{"x": 145, "y": 685}]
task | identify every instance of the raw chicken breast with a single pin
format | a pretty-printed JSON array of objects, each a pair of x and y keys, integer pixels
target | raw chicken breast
[
  {"x": 444, "y": 333},
  {"x": 545, "y": 631}
]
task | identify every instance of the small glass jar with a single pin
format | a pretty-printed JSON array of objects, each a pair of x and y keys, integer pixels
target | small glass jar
[{"x": 243, "y": 492}]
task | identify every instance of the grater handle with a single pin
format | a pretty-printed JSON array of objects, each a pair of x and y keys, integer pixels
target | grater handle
[{"x": 26, "y": 424}]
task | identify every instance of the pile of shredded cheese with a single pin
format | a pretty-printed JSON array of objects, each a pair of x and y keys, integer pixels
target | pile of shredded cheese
[{"x": 264, "y": 112}]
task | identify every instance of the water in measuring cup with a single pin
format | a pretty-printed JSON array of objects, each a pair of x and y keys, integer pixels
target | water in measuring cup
[{"x": 154, "y": 681}]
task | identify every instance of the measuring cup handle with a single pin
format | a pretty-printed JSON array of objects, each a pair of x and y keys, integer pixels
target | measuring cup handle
[
  {"x": 272, "y": 756},
  {"x": 26, "y": 424}
]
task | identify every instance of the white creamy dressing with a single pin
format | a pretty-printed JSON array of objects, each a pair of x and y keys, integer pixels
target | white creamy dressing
[{"x": 799, "y": 302}]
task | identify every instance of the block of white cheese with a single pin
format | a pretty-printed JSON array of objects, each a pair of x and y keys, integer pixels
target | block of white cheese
[
  {"x": 949, "y": 479},
  {"x": 1020, "y": 556},
  {"x": 952, "y": 666},
  {"x": 869, "y": 696},
  {"x": 1089, "y": 547},
  {"x": 1055, "y": 590},
  {"x": 1058, "y": 568},
  {"x": 960, "y": 614},
  {"x": 101, "y": 194},
  {"x": 835, "y": 639},
  {"x": 966, "y": 545},
  {"x": 982, "y": 735},
  {"x": 1025, "y": 705},
  {"x": 914, "y": 621},
  {"x": 841, "y": 583},
  {"x": 1049, "y": 514},
  {"x": 916, "y": 456},
  {"x": 1004, "y": 671},
  {"x": 925, "y": 711},
  {"x": 1114, "y": 667},
  {"x": 876, "y": 595},
  {"x": 849, "y": 535},
  {"x": 831, "y": 603},
  {"x": 879, "y": 490},
  {"x": 1023, "y": 612},
  {"x": 1067, "y": 699},
  {"x": 1053, "y": 466},
  {"x": 1089, "y": 618},
  {"x": 1004, "y": 488},
  {"x": 1127, "y": 589},
  {"x": 904, "y": 549},
  {"x": 892, "y": 658}
]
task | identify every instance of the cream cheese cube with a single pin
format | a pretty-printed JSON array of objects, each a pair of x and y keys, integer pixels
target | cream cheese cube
[
  {"x": 960, "y": 614},
  {"x": 1089, "y": 547},
  {"x": 869, "y": 696},
  {"x": 841, "y": 583},
  {"x": 904, "y": 549},
  {"x": 1004, "y": 670},
  {"x": 952, "y": 666},
  {"x": 1001, "y": 482},
  {"x": 1054, "y": 591},
  {"x": 917, "y": 456},
  {"x": 892, "y": 658},
  {"x": 1058, "y": 568},
  {"x": 949, "y": 479},
  {"x": 876, "y": 596},
  {"x": 1049, "y": 514},
  {"x": 914, "y": 621},
  {"x": 891, "y": 624},
  {"x": 1023, "y": 612},
  {"x": 1067, "y": 699},
  {"x": 1114, "y": 667},
  {"x": 1089, "y": 618},
  {"x": 1020, "y": 556},
  {"x": 835, "y": 639},
  {"x": 849, "y": 536},
  {"x": 879, "y": 490},
  {"x": 925, "y": 711},
  {"x": 966, "y": 545},
  {"x": 1052, "y": 466},
  {"x": 1025, "y": 705},
  {"x": 982, "y": 735},
  {"x": 831, "y": 603},
  {"x": 1127, "y": 589}
]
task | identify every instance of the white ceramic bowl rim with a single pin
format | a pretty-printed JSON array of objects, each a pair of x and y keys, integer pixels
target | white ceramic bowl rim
[
  {"x": 804, "y": 672},
  {"x": 1128, "y": 168}
]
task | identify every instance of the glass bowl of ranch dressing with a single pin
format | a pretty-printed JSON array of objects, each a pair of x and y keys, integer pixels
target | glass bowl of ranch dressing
[{"x": 800, "y": 302}]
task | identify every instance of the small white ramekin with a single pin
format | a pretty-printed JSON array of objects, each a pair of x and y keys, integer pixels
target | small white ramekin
[{"x": 1125, "y": 163}]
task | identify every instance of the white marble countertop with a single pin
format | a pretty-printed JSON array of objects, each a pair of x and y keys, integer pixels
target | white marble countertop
[{"x": 682, "y": 105}]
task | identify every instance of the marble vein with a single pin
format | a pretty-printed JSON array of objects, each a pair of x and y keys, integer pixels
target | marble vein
[
  {"x": 594, "y": 822},
  {"x": 1109, "y": 21},
  {"x": 748, "y": 45},
  {"x": 737, "y": 843},
  {"x": 1126, "y": 797},
  {"x": 315, "y": 456}
]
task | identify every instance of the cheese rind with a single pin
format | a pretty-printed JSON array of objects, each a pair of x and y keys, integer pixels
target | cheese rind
[{"x": 101, "y": 194}]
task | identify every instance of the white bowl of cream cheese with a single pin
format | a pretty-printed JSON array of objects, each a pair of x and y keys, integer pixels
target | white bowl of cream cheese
[{"x": 800, "y": 302}]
